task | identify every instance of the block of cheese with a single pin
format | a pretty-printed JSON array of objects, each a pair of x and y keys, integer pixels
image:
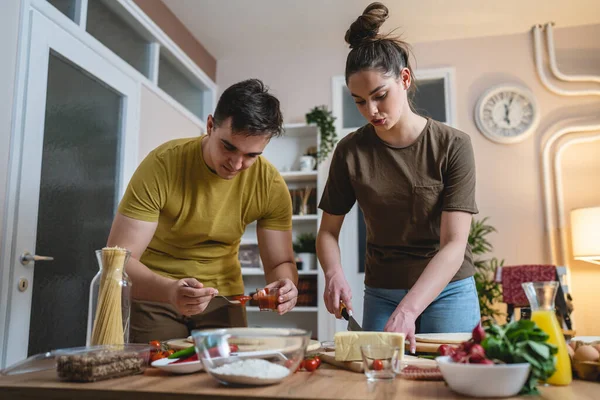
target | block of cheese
[{"x": 347, "y": 344}]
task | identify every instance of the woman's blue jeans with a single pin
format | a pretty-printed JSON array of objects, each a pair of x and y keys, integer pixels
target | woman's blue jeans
[{"x": 456, "y": 309}]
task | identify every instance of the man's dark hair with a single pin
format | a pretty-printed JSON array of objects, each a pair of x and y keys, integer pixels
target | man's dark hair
[{"x": 253, "y": 110}]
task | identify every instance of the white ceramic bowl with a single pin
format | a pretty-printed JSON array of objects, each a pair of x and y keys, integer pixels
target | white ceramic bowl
[{"x": 500, "y": 380}]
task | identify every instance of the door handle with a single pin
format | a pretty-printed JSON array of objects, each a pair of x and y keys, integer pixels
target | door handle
[{"x": 27, "y": 257}]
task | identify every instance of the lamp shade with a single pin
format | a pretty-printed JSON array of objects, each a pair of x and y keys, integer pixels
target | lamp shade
[{"x": 585, "y": 232}]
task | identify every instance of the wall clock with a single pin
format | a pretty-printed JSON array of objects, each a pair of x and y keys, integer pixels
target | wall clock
[{"x": 507, "y": 113}]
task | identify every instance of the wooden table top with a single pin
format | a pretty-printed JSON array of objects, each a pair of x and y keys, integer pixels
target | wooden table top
[{"x": 325, "y": 383}]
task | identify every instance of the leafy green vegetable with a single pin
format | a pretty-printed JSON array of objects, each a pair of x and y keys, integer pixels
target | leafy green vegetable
[{"x": 519, "y": 342}]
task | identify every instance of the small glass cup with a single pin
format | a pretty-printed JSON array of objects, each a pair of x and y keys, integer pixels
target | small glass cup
[
  {"x": 379, "y": 361},
  {"x": 268, "y": 300}
]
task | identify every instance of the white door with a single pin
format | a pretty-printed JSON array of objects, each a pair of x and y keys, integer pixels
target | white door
[{"x": 78, "y": 151}]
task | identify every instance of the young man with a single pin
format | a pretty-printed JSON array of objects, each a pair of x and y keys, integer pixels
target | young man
[{"x": 184, "y": 213}]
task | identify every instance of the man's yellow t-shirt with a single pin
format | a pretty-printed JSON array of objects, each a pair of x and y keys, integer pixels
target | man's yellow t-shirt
[{"x": 201, "y": 217}]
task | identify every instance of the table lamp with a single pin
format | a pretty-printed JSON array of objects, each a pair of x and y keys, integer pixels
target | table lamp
[{"x": 585, "y": 233}]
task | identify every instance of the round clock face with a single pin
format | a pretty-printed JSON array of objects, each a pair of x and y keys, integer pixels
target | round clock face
[{"x": 507, "y": 114}]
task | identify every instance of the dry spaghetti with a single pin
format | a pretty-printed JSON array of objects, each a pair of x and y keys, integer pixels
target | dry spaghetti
[{"x": 108, "y": 322}]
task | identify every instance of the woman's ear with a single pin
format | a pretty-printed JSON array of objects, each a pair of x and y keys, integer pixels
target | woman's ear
[{"x": 406, "y": 78}]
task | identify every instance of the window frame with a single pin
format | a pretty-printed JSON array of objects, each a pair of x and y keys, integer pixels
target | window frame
[{"x": 159, "y": 41}]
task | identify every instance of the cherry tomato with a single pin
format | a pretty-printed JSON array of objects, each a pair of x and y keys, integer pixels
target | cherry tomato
[
  {"x": 310, "y": 365},
  {"x": 318, "y": 359},
  {"x": 377, "y": 365},
  {"x": 169, "y": 352},
  {"x": 158, "y": 355},
  {"x": 233, "y": 348},
  {"x": 155, "y": 344},
  {"x": 300, "y": 366}
]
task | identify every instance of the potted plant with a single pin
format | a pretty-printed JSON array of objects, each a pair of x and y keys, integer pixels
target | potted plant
[
  {"x": 305, "y": 247},
  {"x": 324, "y": 119},
  {"x": 488, "y": 289}
]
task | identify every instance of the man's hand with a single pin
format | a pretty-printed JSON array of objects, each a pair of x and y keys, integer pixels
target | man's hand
[
  {"x": 287, "y": 294},
  {"x": 336, "y": 289},
  {"x": 403, "y": 322},
  {"x": 190, "y": 297}
]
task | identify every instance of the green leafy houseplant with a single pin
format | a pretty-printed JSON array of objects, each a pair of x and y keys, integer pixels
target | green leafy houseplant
[
  {"x": 522, "y": 341},
  {"x": 305, "y": 243},
  {"x": 488, "y": 290},
  {"x": 324, "y": 119}
]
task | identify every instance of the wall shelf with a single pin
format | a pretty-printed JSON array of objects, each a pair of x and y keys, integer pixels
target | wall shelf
[
  {"x": 298, "y": 218},
  {"x": 311, "y": 272},
  {"x": 260, "y": 272},
  {"x": 310, "y": 217},
  {"x": 284, "y": 153},
  {"x": 299, "y": 176},
  {"x": 252, "y": 272},
  {"x": 295, "y": 309},
  {"x": 299, "y": 130}
]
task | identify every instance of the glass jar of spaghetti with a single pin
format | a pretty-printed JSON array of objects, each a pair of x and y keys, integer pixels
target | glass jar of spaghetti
[
  {"x": 267, "y": 299},
  {"x": 110, "y": 299}
]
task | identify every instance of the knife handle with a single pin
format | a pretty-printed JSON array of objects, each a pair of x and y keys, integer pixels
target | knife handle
[{"x": 344, "y": 311}]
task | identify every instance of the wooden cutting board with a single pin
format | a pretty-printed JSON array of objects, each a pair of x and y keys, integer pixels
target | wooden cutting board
[
  {"x": 329, "y": 358},
  {"x": 357, "y": 366},
  {"x": 442, "y": 338}
]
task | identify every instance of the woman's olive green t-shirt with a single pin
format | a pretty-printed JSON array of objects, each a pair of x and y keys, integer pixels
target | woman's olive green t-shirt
[
  {"x": 201, "y": 217},
  {"x": 402, "y": 193}
]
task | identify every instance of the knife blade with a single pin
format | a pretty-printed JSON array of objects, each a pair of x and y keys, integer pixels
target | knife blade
[{"x": 352, "y": 324}]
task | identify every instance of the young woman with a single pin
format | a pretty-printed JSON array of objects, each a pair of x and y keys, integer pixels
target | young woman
[{"x": 414, "y": 179}]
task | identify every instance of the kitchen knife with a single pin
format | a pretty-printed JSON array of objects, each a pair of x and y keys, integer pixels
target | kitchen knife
[{"x": 352, "y": 324}]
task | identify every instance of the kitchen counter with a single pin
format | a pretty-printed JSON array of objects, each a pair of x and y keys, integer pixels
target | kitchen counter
[{"x": 325, "y": 383}]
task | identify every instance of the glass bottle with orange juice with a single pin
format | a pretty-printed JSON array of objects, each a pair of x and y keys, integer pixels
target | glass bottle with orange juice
[{"x": 541, "y": 297}]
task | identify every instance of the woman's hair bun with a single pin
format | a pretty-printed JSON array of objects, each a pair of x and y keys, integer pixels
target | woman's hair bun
[{"x": 366, "y": 27}]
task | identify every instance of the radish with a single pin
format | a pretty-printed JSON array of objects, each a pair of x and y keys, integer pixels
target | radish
[{"x": 478, "y": 333}]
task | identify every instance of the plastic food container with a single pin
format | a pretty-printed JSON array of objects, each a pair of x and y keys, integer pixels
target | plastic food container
[{"x": 88, "y": 364}]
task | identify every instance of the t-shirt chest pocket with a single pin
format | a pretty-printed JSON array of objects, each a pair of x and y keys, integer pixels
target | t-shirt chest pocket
[{"x": 427, "y": 202}]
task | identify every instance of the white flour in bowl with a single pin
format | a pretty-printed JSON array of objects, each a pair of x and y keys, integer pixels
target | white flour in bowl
[{"x": 258, "y": 369}]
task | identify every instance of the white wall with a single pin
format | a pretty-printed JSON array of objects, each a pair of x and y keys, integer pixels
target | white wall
[
  {"x": 580, "y": 173},
  {"x": 508, "y": 176},
  {"x": 160, "y": 122}
]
